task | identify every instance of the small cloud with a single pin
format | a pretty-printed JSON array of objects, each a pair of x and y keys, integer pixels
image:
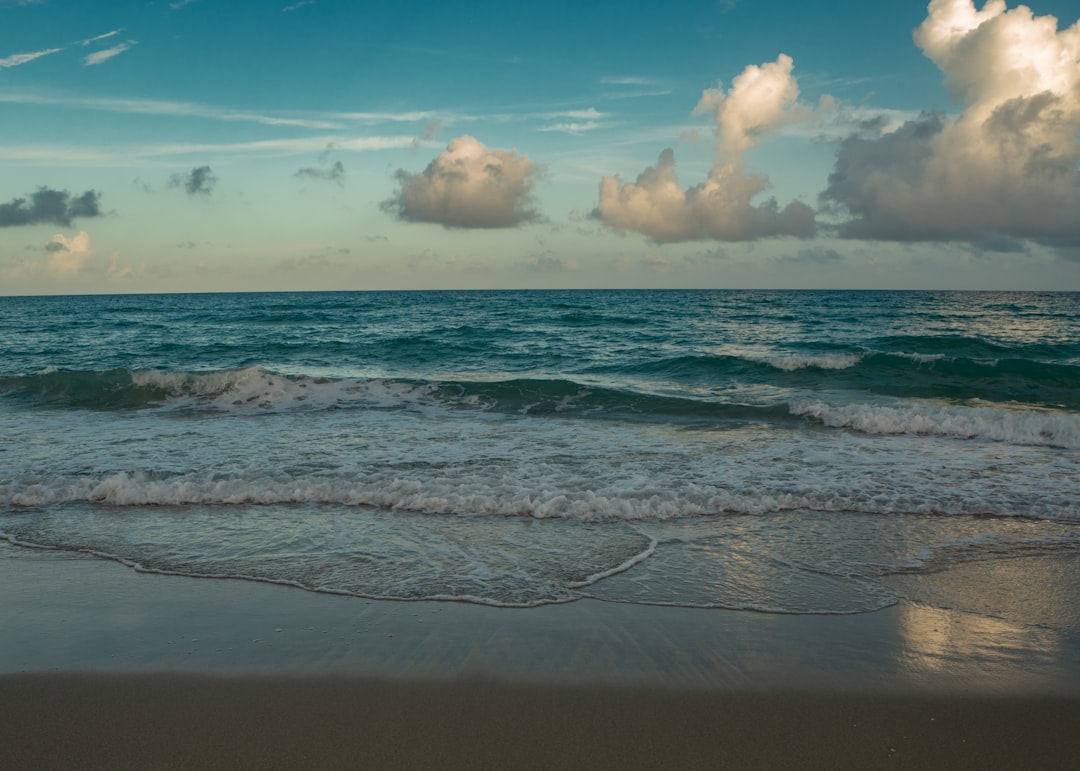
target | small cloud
[
  {"x": 98, "y": 57},
  {"x": 297, "y": 6},
  {"x": 46, "y": 205},
  {"x": 198, "y": 181},
  {"x": 178, "y": 4},
  {"x": 469, "y": 185},
  {"x": 819, "y": 255},
  {"x": 336, "y": 173},
  {"x": 186, "y": 245},
  {"x": 430, "y": 130},
  {"x": 107, "y": 35},
  {"x": 67, "y": 256},
  {"x": 629, "y": 80},
  {"x": 16, "y": 60},
  {"x": 120, "y": 272},
  {"x": 575, "y": 127},
  {"x": 547, "y": 263}
]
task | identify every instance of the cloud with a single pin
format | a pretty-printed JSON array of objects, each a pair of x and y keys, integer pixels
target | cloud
[
  {"x": 761, "y": 100},
  {"x": 297, "y": 6},
  {"x": 430, "y": 130},
  {"x": 95, "y": 39},
  {"x": 47, "y": 205},
  {"x": 160, "y": 107},
  {"x": 818, "y": 255},
  {"x": 16, "y": 60},
  {"x": 67, "y": 256},
  {"x": 1006, "y": 165},
  {"x": 103, "y": 56},
  {"x": 629, "y": 80},
  {"x": 178, "y": 4},
  {"x": 545, "y": 262},
  {"x": 198, "y": 181},
  {"x": 469, "y": 186},
  {"x": 335, "y": 173}
]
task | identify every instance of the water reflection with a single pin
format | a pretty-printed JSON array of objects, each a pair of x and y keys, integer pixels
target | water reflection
[{"x": 949, "y": 642}]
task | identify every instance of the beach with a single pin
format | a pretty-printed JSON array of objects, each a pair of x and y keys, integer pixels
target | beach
[
  {"x": 566, "y": 529},
  {"x": 106, "y": 667}
]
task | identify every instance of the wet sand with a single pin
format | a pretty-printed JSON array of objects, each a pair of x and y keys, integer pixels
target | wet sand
[{"x": 103, "y": 667}]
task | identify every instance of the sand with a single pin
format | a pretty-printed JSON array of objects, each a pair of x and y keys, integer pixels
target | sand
[
  {"x": 103, "y": 667},
  {"x": 191, "y": 721}
]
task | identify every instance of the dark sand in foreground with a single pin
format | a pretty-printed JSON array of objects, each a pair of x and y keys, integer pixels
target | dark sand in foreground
[
  {"x": 103, "y": 667},
  {"x": 191, "y": 721}
]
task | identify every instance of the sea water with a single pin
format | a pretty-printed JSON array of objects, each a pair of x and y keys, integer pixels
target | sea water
[{"x": 788, "y": 452}]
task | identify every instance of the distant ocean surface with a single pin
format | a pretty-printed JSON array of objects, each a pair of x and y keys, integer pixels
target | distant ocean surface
[{"x": 780, "y": 451}]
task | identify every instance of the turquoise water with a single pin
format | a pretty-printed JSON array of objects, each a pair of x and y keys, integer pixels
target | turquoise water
[{"x": 779, "y": 451}]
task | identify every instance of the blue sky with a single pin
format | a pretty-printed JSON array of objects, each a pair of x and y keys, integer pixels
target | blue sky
[{"x": 209, "y": 145}]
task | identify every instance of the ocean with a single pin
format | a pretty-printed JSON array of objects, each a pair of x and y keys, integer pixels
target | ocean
[{"x": 796, "y": 452}]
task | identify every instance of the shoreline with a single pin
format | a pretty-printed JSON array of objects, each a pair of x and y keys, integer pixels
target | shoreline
[{"x": 105, "y": 667}]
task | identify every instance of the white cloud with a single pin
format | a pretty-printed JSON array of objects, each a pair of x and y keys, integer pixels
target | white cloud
[
  {"x": 160, "y": 107},
  {"x": 139, "y": 155},
  {"x": 66, "y": 257},
  {"x": 628, "y": 80},
  {"x": 575, "y": 127},
  {"x": 761, "y": 100},
  {"x": 103, "y": 56},
  {"x": 16, "y": 60},
  {"x": 469, "y": 186},
  {"x": 1007, "y": 164},
  {"x": 107, "y": 35}
]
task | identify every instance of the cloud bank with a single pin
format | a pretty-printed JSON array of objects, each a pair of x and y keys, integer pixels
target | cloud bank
[
  {"x": 469, "y": 185},
  {"x": 46, "y": 205},
  {"x": 1007, "y": 165},
  {"x": 761, "y": 100}
]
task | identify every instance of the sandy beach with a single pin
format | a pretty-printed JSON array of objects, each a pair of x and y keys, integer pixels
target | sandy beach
[{"x": 105, "y": 667}]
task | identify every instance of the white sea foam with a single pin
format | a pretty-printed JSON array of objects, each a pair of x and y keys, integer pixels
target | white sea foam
[
  {"x": 789, "y": 362},
  {"x": 502, "y": 496},
  {"x": 921, "y": 358},
  {"x": 255, "y": 389},
  {"x": 1021, "y": 427}
]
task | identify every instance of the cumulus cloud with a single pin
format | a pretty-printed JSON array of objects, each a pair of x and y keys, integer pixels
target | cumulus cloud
[
  {"x": 760, "y": 101},
  {"x": 66, "y": 257},
  {"x": 47, "y": 205},
  {"x": 1005, "y": 166},
  {"x": 198, "y": 181},
  {"x": 469, "y": 186}
]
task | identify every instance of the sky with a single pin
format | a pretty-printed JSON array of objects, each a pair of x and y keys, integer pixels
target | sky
[{"x": 227, "y": 145}]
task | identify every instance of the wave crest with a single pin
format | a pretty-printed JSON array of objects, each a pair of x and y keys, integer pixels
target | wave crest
[{"x": 1022, "y": 427}]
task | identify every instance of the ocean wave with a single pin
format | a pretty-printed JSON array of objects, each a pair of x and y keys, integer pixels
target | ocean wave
[
  {"x": 498, "y": 494},
  {"x": 256, "y": 390},
  {"x": 790, "y": 362},
  {"x": 1022, "y": 427}
]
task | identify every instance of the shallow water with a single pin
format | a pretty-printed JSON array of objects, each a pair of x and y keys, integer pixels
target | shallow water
[{"x": 791, "y": 452}]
